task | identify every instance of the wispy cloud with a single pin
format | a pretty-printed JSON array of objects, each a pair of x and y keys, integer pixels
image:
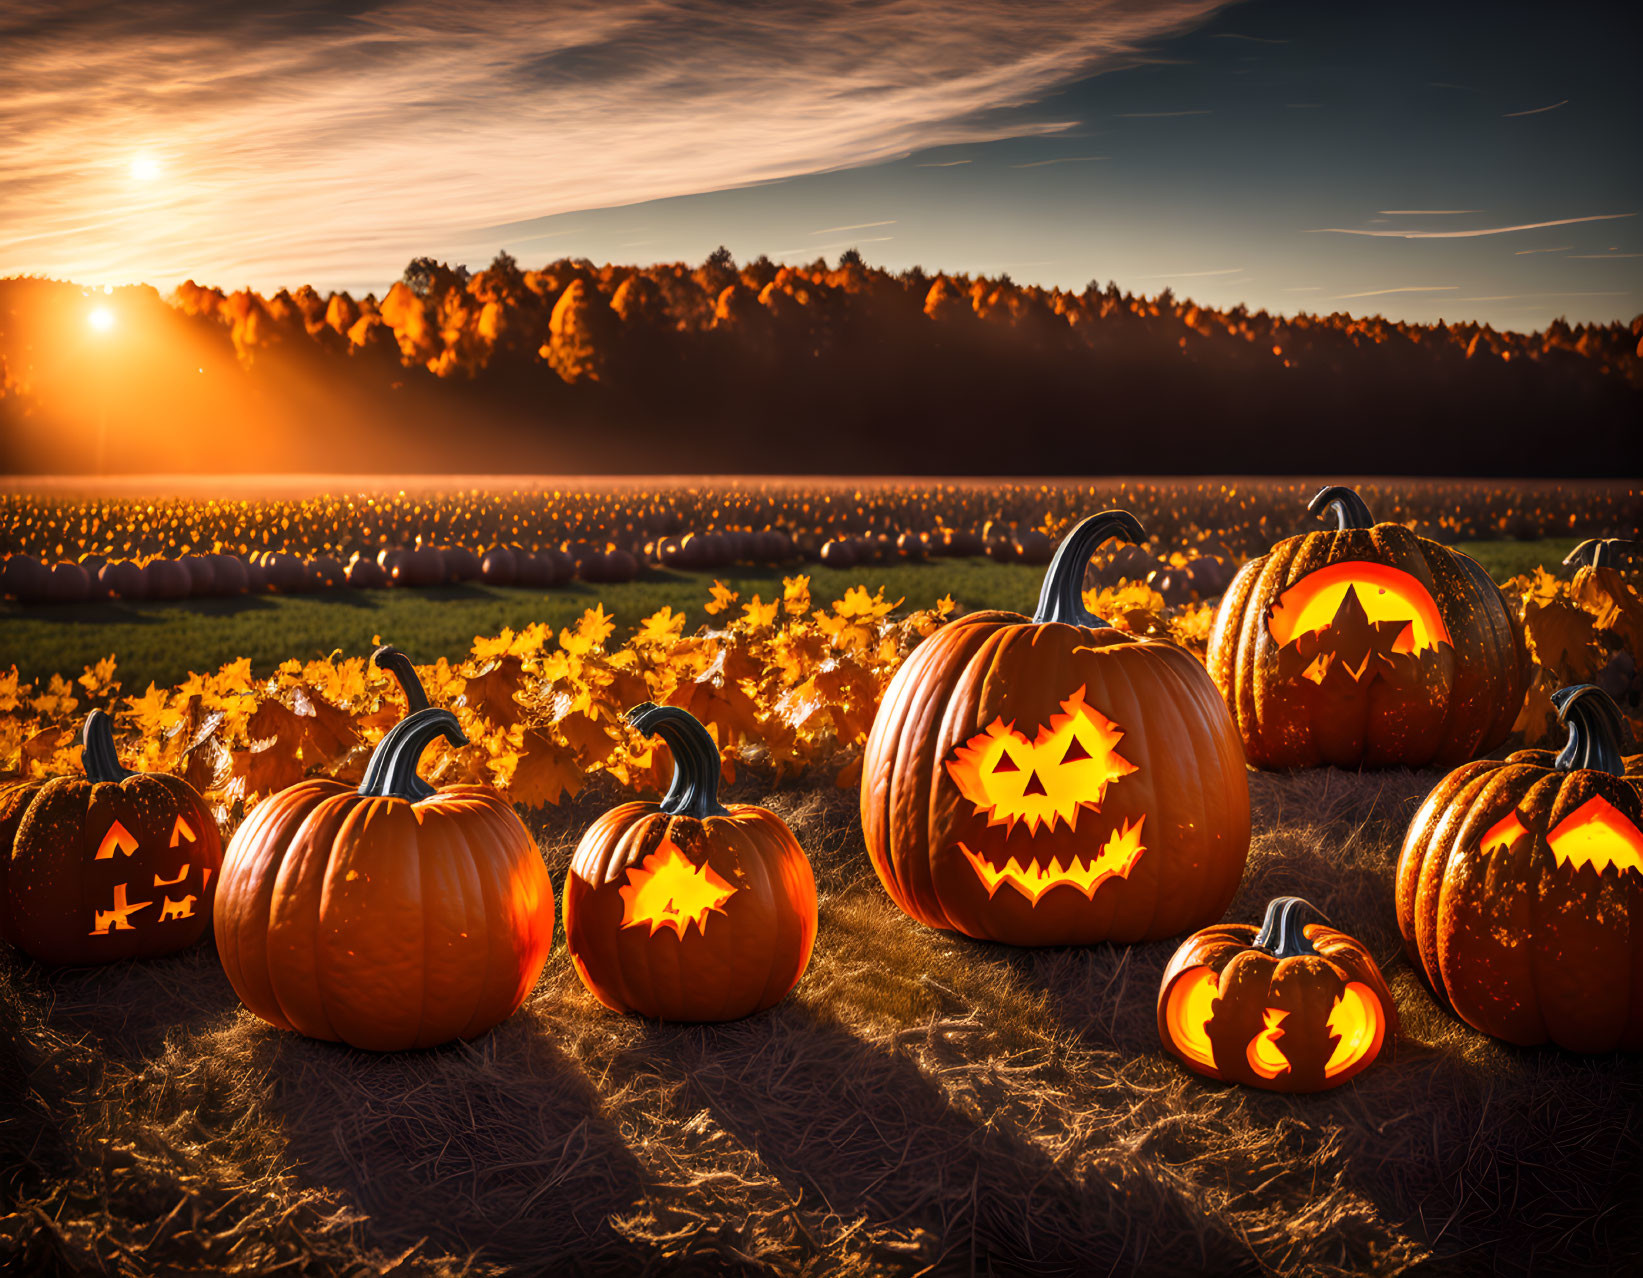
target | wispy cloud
[
  {"x": 854, "y": 226},
  {"x": 1304, "y": 288},
  {"x": 1190, "y": 275},
  {"x": 1426, "y": 212},
  {"x": 1600, "y": 257},
  {"x": 1510, "y": 115},
  {"x": 1158, "y": 115},
  {"x": 304, "y": 141},
  {"x": 940, "y": 164},
  {"x": 1461, "y": 235},
  {"x": 1518, "y": 297},
  {"x": 1065, "y": 159},
  {"x": 1561, "y": 248},
  {"x": 1407, "y": 288}
]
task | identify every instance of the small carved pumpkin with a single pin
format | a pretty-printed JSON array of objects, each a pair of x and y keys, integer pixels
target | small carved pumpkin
[
  {"x": 1367, "y": 647},
  {"x": 1520, "y": 888},
  {"x": 114, "y": 865},
  {"x": 1054, "y": 781},
  {"x": 1290, "y": 1008},
  {"x": 688, "y": 910},
  {"x": 391, "y": 917}
]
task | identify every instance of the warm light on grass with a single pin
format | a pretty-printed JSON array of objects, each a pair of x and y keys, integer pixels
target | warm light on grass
[{"x": 101, "y": 319}]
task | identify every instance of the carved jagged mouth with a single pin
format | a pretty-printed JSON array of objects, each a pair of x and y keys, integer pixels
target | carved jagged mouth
[{"x": 1115, "y": 860}]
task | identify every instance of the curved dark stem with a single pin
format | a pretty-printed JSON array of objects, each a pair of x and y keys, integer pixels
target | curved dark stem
[
  {"x": 695, "y": 788},
  {"x": 402, "y": 668},
  {"x": 1600, "y": 552},
  {"x": 1349, "y": 509},
  {"x": 99, "y": 758},
  {"x": 1594, "y": 726},
  {"x": 1282, "y": 934},
  {"x": 391, "y": 773},
  {"x": 1062, "y": 596}
]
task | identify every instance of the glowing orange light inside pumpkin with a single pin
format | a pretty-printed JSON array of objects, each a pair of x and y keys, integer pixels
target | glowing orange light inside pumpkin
[
  {"x": 1355, "y": 1021},
  {"x": 1598, "y": 835},
  {"x": 118, "y": 839},
  {"x": 181, "y": 831},
  {"x": 1191, "y": 1004},
  {"x": 1115, "y": 860},
  {"x": 1068, "y": 766},
  {"x": 183, "y": 909},
  {"x": 668, "y": 891},
  {"x": 1264, "y": 1055},
  {"x": 1503, "y": 835},
  {"x": 1384, "y": 594},
  {"x": 181, "y": 875},
  {"x": 119, "y": 918}
]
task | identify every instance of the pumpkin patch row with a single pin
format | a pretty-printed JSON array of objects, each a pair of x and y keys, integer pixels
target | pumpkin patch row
[{"x": 1036, "y": 781}]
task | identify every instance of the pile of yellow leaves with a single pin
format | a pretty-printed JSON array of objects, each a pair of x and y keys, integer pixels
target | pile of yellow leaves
[{"x": 780, "y": 684}]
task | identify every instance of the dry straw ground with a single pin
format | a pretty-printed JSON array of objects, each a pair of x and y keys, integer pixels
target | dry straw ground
[{"x": 922, "y": 1103}]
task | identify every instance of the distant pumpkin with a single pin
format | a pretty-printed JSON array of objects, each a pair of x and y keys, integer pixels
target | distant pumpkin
[
  {"x": 395, "y": 916},
  {"x": 1520, "y": 888},
  {"x": 113, "y": 865},
  {"x": 1367, "y": 647},
  {"x": 689, "y": 910},
  {"x": 1294, "y": 1007}
]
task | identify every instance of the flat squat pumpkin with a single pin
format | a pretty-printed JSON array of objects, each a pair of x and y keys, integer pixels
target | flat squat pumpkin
[
  {"x": 113, "y": 865},
  {"x": 395, "y": 916},
  {"x": 1366, "y": 647},
  {"x": 689, "y": 910},
  {"x": 1052, "y": 780},
  {"x": 1520, "y": 888},
  {"x": 1294, "y": 1007}
]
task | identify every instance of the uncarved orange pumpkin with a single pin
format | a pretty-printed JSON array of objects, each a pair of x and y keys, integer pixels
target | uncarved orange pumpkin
[{"x": 394, "y": 916}]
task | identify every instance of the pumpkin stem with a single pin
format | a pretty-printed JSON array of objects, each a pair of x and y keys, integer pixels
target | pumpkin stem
[
  {"x": 1062, "y": 596},
  {"x": 399, "y": 665},
  {"x": 1600, "y": 552},
  {"x": 1282, "y": 934},
  {"x": 1349, "y": 508},
  {"x": 99, "y": 758},
  {"x": 695, "y": 788},
  {"x": 1593, "y": 721},
  {"x": 391, "y": 773}
]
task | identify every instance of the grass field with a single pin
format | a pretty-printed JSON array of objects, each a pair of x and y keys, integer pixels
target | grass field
[
  {"x": 920, "y": 1104},
  {"x": 162, "y": 642}
]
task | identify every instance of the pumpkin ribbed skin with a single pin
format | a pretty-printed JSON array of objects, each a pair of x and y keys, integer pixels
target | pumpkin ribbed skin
[
  {"x": 1252, "y": 980},
  {"x": 1437, "y": 707},
  {"x": 382, "y": 921},
  {"x": 1188, "y": 789},
  {"x": 1521, "y": 946},
  {"x": 54, "y": 886},
  {"x": 741, "y": 958}
]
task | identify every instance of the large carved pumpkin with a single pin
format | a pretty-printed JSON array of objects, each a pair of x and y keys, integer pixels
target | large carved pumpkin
[
  {"x": 391, "y": 917},
  {"x": 1292, "y": 1008},
  {"x": 1367, "y": 647},
  {"x": 112, "y": 865},
  {"x": 688, "y": 910},
  {"x": 1520, "y": 888},
  {"x": 1052, "y": 780}
]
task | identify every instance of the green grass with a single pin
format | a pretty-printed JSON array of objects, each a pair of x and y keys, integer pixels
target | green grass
[{"x": 162, "y": 642}]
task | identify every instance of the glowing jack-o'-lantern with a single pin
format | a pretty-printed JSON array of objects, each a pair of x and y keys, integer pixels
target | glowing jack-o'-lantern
[
  {"x": 689, "y": 910},
  {"x": 1290, "y": 1008},
  {"x": 1053, "y": 780},
  {"x": 389, "y": 917},
  {"x": 1366, "y": 647},
  {"x": 114, "y": 865},
  {"x": 1520, "y": 887}
]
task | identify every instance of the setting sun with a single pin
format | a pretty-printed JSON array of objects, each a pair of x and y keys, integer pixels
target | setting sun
[
  {"x": 144, "y": 168},
  {"x": 101, "y": 319}
]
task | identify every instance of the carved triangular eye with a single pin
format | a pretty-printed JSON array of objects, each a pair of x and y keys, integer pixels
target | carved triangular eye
[
  {"x": 1006, "y": 764},
  {"x": 1075, "y": 751},
  {"x": 181, "y": 832},
  {"x": 118, "y": 839}
]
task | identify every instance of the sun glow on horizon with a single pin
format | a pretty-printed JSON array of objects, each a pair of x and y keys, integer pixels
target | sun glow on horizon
[
  {"x": 144, "y": 168},
  {"x": 101, "y": 319}
]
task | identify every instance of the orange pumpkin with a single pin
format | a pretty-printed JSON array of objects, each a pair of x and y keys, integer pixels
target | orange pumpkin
[
  {"x": 1366, "y": 647},
  {"x": 1290, "y": 1008},
  {"x": 394, "y": 916},
  {"x": 1052, "y": 780},
  {"x": 688, "y": 910},
  {"x": 113, "y": 865},
  {"x": 1520, "y": 888}
]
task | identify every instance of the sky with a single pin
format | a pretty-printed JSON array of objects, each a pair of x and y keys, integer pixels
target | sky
[{"x": 1420, "y": 161}]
